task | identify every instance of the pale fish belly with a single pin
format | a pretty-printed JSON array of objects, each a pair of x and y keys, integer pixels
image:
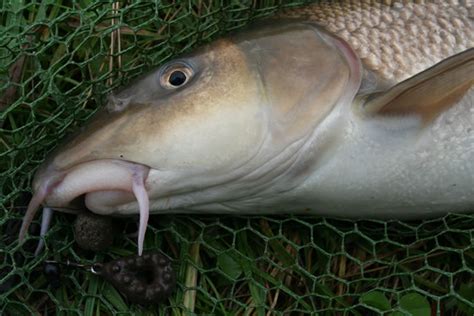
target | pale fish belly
[
  {"x": 396, "y": 40},
  {"x": 390, "y": 168}
]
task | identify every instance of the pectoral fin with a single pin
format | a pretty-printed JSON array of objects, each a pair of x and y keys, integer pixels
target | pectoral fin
[{"x": 429, "y": 93}]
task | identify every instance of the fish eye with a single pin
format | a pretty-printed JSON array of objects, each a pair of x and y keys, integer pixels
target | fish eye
[{"x": 175, "y": 76}]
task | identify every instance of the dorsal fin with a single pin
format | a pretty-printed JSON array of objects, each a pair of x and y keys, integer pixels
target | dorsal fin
[{"x": 429, "y": 93}]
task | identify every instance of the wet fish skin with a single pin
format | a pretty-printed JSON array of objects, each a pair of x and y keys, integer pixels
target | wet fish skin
[{"x": 287, "y": 118}]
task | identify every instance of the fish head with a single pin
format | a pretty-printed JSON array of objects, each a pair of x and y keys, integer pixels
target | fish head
[{"x": 229, "y": 121}]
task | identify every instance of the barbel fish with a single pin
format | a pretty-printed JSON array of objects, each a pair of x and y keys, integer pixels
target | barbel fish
[{"x": 348, "y": 108}]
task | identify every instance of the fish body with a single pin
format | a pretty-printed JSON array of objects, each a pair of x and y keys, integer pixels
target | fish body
[{"x": 354, "y": 110}]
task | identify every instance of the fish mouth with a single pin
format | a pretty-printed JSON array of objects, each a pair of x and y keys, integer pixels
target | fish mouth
[{"x": 61, "y": 189}]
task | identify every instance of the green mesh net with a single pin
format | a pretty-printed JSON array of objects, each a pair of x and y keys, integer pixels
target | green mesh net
[{"x": 58, "y": 61}]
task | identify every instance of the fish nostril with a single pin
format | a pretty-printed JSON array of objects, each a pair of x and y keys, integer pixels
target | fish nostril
[{"x": 116, "y": 104}]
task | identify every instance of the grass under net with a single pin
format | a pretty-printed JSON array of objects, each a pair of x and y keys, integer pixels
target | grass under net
[{"x": 58, "y": 61}]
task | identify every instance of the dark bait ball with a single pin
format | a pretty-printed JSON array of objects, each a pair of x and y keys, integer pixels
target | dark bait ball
[
  {"x": 94, "y": 232},
  {"x": 147, "y": 279}
]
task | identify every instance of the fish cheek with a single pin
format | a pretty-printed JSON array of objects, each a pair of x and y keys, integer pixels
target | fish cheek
[{"x": 214, "y": 139}]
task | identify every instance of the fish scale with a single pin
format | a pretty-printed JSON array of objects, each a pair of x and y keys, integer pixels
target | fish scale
[{"x": 386, "y": 35}]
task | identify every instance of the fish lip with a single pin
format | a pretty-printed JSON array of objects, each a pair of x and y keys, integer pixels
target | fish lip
[
  {"x": 95, "y": 171},
  {"x": 56, "y": 189}
]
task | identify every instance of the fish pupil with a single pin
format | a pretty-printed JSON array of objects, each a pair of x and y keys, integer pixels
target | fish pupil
[{"x": 177, "y": 78}]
